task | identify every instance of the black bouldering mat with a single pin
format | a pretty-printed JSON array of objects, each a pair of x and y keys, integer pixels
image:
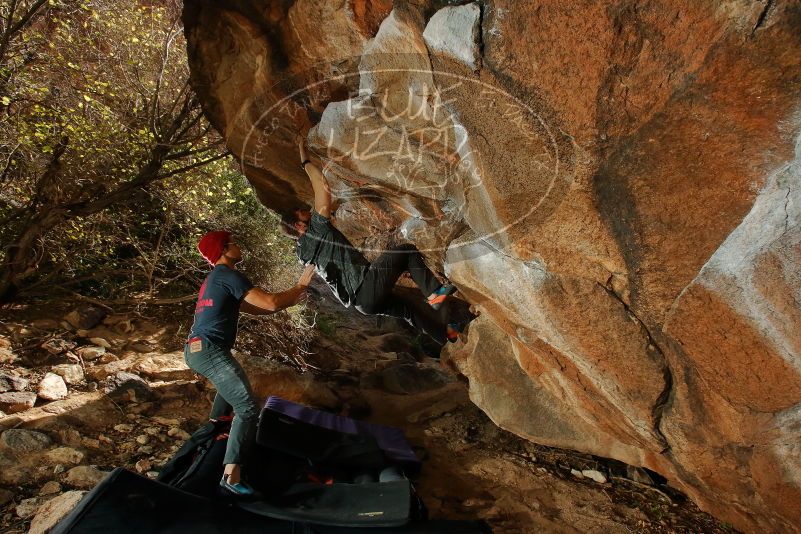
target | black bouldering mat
[
  {"x": 127, "y": 503},
  {"x": 198, "y": 464},
  {"x": 355, "y": 505}
]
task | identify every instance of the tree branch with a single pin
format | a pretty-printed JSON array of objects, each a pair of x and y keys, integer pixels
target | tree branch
[
  {"x": 178, "y": 137},
  {"x": 11, "y": 9},
  {"x": 194, "y": 165},
  {"x": 165, "y": 56},
  {"x": 192, "y": 152},
  {"x": 16, "y": 27},
  {"x": 8, "y": 163}
]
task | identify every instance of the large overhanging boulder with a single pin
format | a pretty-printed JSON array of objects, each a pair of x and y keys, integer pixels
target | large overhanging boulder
[{"x": 615, "y": 185}]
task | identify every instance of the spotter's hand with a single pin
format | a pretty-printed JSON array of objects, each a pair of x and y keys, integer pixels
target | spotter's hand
[{"x": 306, "y": 276}]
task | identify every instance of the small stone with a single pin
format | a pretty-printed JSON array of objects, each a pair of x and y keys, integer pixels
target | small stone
[
  {"x": 17, "y": 401},
  {"x": 576, "y": 473},
  {"x": 70, "y": 437},
  {"x": 164, "y": 367},
  {"x": 58, "y": 345},
  {"x": 108, "y": 358},
  {"x": 100, "y": 342},
  {"x": 45, "y": 324},
  {"x": 638, "y": 474},
  {"x": 58, "y": 469},
  {"x": 102, "y": 438},
  {"x": 165, "y": 421},
  {"x": 84, "y": 477},
  {"x": 124, "y": 326},
  {"x": 65, "y": 455},
  {"x": 50, "y": 488},
  {"x": 72, "y": 373},
  {"x": 91, "y": 352},
  {"x": 54, "y": 511},
  {"x": 7, "y": 356},
  {"x": 52, "y": 387},
  {"x": 152, "y": 474},
  {"x": 85, "y": 317},
  {"x": 597, "y": 476},
  {"x": 140, "y": 408},
  {"x": 143, "y": 466},
  {"x": 124, "y": 428},
  {"x": 142, "y": 346},
  {"x": 28, "y": 507},
  {"x": 129, "y": 387},
  {"x": 23, "y": 440},
  {"x": 91, "y": 386},
  {"x": 152, "y": 431},
  {"x": 9, "y": 382},
  {"x": 143, "y": 439},
  {"x": 178, "y": 433},
  {"x": 90, "y": 443},
  {"x": 145, "y": 449}
]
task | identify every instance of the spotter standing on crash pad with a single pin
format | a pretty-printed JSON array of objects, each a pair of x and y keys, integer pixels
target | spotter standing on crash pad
[{"x": 223, "y": 294}]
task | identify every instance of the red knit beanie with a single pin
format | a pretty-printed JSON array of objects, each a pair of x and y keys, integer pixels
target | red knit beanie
[{"x": 211, "y": 245}]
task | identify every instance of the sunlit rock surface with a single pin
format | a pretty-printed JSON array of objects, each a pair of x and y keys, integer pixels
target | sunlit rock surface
[{"x": 615, "y": 185}]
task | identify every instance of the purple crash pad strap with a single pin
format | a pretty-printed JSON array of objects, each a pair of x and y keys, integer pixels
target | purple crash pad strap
[{"x": 391, "y": 440}]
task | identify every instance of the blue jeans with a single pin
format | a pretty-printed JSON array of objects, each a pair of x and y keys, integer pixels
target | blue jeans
[{"x": 233, "y": 391}]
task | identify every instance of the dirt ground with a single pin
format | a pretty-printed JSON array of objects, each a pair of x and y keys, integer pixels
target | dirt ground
[{"x": 358, "y": 366}]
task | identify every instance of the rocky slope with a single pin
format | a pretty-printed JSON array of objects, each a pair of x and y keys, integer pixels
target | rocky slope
[
  {"x": 613, "y": 184},
  {"x": 55, "y": 451}
]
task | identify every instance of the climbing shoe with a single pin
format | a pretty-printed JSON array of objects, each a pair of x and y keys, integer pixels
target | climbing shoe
[
  {"x": 451, "y": 333},
  {"x": 437, "y": 298},
  {"x": 457, "y": 326},
  {"x": 240, "y": 489}
]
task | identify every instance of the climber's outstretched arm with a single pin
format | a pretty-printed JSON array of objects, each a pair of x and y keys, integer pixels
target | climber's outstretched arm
[{"x": 322, "y": 192}]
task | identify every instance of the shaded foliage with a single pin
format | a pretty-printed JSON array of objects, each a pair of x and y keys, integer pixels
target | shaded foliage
[
  {"x": 109, "y": 172},
  {"x": 108, "y": 162}
]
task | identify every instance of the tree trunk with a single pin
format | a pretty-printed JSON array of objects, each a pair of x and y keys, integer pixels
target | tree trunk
[
  {"x": 17, "y": 265},
  {"x": 19, "y": 253}
]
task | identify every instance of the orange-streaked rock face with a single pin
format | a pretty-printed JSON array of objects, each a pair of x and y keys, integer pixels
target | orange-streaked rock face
[{"x": 615, "y": 185}]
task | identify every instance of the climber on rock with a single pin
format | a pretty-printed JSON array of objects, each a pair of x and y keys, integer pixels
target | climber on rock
[
  {"x": 224, "y": 293},
  {"x": 352, "y": 278}
]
